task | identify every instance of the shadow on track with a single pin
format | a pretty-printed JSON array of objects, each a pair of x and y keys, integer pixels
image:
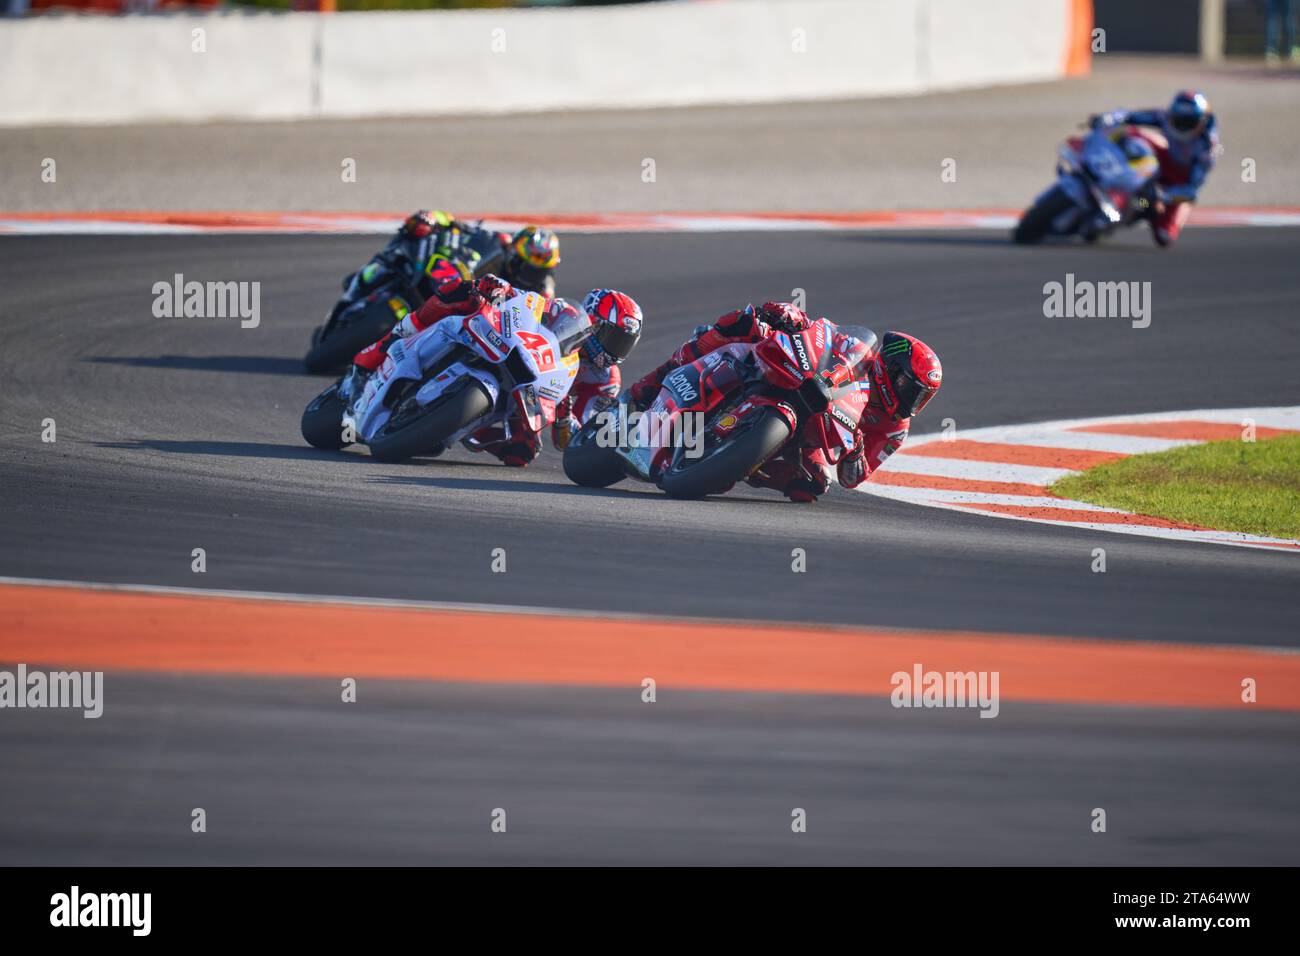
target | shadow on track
[
  {"x": 495, "y": 484},
  {"x": 634, "y": 491},
  {"x": 1121, "y": 242},
  {"x": 927, "y": 239},
  {"x": 257, "y": 364},
  {"x": 232, "y": 449}
]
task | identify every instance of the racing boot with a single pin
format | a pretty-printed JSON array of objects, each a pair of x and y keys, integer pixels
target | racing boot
[{"x": 517, "y": 451}]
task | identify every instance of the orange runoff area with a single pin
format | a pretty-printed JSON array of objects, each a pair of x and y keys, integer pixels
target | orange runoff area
[{"x": 200, "y": 634}]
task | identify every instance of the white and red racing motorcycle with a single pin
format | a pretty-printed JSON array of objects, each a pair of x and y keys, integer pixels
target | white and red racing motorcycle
[{"x": 512, "y": 364}]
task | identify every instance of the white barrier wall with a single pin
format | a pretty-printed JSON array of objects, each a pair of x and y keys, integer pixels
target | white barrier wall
[
  {"x": 96, "y": 69},
  {"x": 62, "y": 70}
]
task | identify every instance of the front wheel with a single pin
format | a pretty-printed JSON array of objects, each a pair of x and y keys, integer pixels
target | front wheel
[
  {"x": 588, "y": 463},
  {"x": 430, "y": 427},
  {"x": 322, "y": 420},
  {"x": 1038, "y": 218},
  {"x": 733, "y": 459}
]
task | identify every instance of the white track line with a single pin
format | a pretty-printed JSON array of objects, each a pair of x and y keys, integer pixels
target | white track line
[
  {"x": 1097, "y": 441},
  {"x": 184, "y": 223},
  {"x": 921, "y": 464}
]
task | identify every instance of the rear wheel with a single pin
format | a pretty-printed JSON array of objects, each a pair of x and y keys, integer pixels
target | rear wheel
[
  {"x": 1038, "y": 218},
  {"x": 734, "y": 458},
  {"x": 335, "y": 351},
  {"x": 430, "y": 428},
  {"x": 588, "y": 463},
  {"x": 322, "y": 420}
]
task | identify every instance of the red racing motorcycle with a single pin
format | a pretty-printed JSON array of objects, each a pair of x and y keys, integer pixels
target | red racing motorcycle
[{"x": 717, "y": 420}]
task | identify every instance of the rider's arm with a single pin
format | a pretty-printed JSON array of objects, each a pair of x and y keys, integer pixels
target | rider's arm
[
  {"x": 871, "y": 450},
  {"x": 456, "y": 294},
  {"x": 1120, "y": 117}
]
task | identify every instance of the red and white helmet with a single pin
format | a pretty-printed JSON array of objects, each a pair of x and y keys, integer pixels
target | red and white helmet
[
  {"x": 617, "y": 321},
  {"x": 906, "y": 374}
]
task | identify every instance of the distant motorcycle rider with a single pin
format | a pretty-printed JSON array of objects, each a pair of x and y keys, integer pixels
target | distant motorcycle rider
[
  {"x": 1186, "y": 153},
  {"x": 616, "y": 328},
  {"x": 904, "y": 374},
  {"x": 427, "y": 246}
]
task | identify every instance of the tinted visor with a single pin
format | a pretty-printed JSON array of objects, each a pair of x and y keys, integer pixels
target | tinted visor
[
  {"x": 569, "y": 324},
  {"x": 523, "y": 273},
  {"x": 616, "y": 341},
  {"x": 1185, "y": 122},
  {"x": 912, "y": 394}
]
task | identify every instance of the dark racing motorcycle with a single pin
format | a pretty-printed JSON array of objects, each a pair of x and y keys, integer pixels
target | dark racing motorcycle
[
  {"x": 1105, "y": 180},
  {"x": 352, "y": 325},
  {"x": 716, "y": 421},
  {"x": 395, "y": 283}
]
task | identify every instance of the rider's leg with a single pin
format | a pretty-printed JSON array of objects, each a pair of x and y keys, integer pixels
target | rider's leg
[
  {"x": 1167, "y": 224},
  {"x": 516, "y": 451}
]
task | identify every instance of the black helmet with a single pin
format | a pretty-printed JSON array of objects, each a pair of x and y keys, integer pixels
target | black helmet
[{"x": 1189, "y": 112}]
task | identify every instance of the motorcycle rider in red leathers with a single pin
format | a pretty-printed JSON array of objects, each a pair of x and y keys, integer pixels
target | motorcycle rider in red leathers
[
  {"x": 904, "y": 374},
  {"x": 1186, "y": 153},
  {"x": 617, "y": 328}
]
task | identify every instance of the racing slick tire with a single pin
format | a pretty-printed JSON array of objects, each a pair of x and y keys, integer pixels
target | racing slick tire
[
  {"x": 429, "y": 430},
  {"x": 729, "y": 462},
  {"x": 322, "y": 420},
  {"x": 1038, "y": 218},
  {"x": 587, "y": 463}
]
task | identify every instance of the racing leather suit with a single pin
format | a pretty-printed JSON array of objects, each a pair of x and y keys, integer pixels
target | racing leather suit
[
  {"x": 459, "y": 296},
  {"x": 800, "y": 473},
  {"x": 426, "y": 250},
  {"x": 1184, "y": 165}
]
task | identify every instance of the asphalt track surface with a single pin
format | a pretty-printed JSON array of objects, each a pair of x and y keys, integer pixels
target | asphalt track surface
[
  {"x": 884, "y": 153},
  {"x": 183, "y": 433}
]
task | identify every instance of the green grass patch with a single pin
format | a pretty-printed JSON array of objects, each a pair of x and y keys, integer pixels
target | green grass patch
[{"x": 1229, "y": 485}]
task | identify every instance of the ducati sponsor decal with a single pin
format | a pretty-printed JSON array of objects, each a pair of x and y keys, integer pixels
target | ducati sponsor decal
[
  {"x": 801, "y": 352},
  {"x": 681, "y": 387},
  {"x": 843, "y": 417}
]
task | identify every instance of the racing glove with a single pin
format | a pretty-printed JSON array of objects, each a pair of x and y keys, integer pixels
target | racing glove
[
  {"x": 784, "y": 317},
  {"x": 852, "y": 468},
  {"x": 1112, "y": 118},
  {"x": 493, "y": 288}
]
